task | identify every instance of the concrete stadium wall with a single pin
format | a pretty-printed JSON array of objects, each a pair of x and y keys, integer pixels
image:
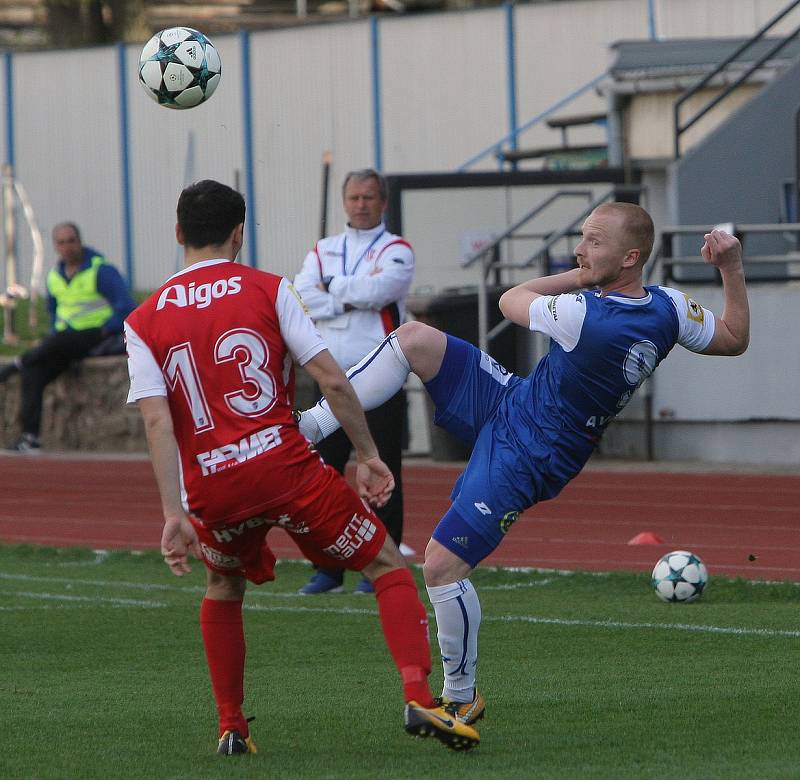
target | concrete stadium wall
[{"x": 444, "y": 96}]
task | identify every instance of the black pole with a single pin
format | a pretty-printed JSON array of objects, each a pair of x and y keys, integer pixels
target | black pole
[
  {"x": 326, "y": 172},
  {"x": 793, "y": 212}
]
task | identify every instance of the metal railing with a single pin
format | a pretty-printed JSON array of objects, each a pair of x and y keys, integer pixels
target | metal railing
[
  {"x": 486, "y": 256},
  {"x": 763, "y": 267},
  {"x": 496, "y": 148},
  {"x": 681, "y": 128}
]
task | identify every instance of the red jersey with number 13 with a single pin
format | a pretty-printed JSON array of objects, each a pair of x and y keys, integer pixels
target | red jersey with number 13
[{"x": 218, "y": 339}]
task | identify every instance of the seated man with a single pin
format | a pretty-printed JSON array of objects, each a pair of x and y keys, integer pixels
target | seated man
[{"x": 88, "y": 302}]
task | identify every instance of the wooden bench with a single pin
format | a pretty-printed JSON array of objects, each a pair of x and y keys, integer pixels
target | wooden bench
[{"x": 565, "y": 150}]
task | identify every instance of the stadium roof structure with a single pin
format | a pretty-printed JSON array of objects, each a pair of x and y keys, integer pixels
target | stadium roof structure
[{"x": 671, "y": 59}]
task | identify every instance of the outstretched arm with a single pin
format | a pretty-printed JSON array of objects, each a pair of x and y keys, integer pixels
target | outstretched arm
[
  {"x": 515, "y": 303},
  {"x": 732, "y": 329}
]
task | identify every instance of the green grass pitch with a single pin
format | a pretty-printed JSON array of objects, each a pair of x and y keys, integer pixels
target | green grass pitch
[{"x": 102, "y": 675}]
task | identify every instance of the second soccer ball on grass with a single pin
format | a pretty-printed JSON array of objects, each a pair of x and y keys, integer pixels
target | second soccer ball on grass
[{"x": 679, "y": 576}]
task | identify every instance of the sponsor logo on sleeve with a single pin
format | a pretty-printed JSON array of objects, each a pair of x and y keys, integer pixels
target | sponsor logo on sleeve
[
  {"x": 694, "y": 310},
  {"x": 552, "y": 305},
  {"x": 296, "y": 294}
]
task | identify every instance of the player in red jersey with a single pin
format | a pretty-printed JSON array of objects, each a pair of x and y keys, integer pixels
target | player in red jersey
[{"x": 211, "y": 364}]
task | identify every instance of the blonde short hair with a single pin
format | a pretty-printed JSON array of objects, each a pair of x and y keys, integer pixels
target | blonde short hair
[{"x": 637, "y": 224}]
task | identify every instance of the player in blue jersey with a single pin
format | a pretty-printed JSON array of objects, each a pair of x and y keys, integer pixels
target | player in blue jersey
[{"x": 532, "y": 435}]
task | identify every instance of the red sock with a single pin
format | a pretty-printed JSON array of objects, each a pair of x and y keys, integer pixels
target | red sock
[
  {"x": 405, "y": 627},
  {"x": 223, "y": 637}
]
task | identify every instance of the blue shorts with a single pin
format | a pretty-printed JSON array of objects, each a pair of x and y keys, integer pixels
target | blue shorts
[{"x": 473, "y": 396}]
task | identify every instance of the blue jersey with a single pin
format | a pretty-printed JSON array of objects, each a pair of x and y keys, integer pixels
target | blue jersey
[
  {"x": 571, "y": 396},
  {"x": 532, "y": 435}
]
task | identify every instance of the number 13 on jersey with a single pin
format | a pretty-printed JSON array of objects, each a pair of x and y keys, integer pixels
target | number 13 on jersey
[{"x": 254, "y": 397}]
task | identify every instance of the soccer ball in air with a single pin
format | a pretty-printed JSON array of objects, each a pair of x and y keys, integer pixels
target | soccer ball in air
[
  {"x": 179, "y": 68},
  {"x": 679, "y": 576}
]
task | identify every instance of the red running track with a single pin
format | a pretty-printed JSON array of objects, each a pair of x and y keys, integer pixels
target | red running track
[{"x": 725, "y": 518}]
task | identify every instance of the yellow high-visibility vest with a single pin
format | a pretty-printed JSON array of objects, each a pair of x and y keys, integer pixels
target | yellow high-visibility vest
[{"x": 78, "y": 304}]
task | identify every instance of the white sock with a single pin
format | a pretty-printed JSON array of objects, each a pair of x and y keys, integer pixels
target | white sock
[
  {"x": 458, "y": 619},
  {"x": 375, "y": 378},
  {"x": 309, "y": 428}
]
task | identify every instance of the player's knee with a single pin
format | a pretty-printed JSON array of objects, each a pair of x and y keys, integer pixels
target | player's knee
[
  {"x": 388, "y": 559},
  {"x": 442, "y": 567},
  {"x": 223, "y": 588},
  {"x": 390, "y": 555},
  {"x": 435, "y": 573},
  {"x": 413, "y": 335},
  {"x": 424, "y": 348}
]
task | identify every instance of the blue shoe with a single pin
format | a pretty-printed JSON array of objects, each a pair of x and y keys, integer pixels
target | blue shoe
[
  {"x": 323, "y": 582},
  {"x": 365, "y": 586}
]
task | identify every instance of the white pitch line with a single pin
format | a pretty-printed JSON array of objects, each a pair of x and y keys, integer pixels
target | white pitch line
[
  {"x": 323, "y": 610},
  {"x": 201, "y": 589},
  {"x": 515, "y": 585},
  {"x": 733, "y": 630},
  {"x": 30, "y": 608},
  {"x": 605, "y": 624},
  {"x": 100, "y": 557},
  {"x": 86, "y": 599},
  {"x": 531, "y": 619},
  {"x": 614, "y": 624},
  {"x": 145, "y": 586}
]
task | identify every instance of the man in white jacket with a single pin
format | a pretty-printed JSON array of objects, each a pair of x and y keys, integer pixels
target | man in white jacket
[{"x": 355, "y": 285}]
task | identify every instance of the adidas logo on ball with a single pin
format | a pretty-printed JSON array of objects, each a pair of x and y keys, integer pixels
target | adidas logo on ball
[{"x": 179, "y": 68}]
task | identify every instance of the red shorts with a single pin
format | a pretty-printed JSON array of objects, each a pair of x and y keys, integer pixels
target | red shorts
[{"x": 329, "y": 523}]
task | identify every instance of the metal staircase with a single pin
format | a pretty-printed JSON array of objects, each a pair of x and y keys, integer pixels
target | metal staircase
[
  {"x": 748, "y": 47},
  {"x": 488, "y": 262}
]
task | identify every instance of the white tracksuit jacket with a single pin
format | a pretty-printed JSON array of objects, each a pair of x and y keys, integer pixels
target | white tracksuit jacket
[{"x": 368, "y": 273}]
